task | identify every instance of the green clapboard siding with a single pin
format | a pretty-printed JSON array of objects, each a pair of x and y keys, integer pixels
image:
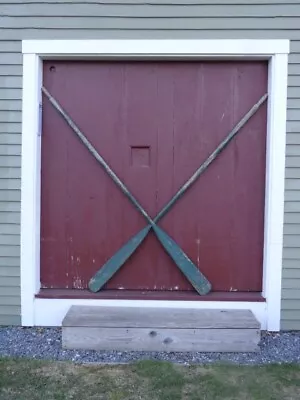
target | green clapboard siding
[
  {"x": 9, "y": 271},
  {"x": 139, "y": 19},
  {"x": 6, "y": 319},
  {"x": 11, "y": 301}
]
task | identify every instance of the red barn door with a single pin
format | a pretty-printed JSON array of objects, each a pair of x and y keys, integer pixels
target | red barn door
[{"x": 154, "y": 123}]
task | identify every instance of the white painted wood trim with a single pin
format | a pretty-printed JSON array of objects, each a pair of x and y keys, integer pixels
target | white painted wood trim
[
  {"x": 167, "y": 48},
  {"x": 50, "y": 312},
  {"x": 274, "y": 197},
  {"x": 35, "y": 50},
  {"x": 30, "y": 187}
]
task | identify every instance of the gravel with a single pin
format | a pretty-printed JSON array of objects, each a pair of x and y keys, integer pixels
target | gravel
[{"x": 45, "y": 343}]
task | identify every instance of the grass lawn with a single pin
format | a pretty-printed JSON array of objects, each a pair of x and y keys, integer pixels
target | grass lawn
[{"x": 29, "y": 380}]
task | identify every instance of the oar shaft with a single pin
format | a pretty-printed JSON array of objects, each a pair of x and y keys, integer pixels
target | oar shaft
[
  {"x": 211, "y": 158},
  {"x": 183, "y": 262},
  {"x": 97, "y": 156}
]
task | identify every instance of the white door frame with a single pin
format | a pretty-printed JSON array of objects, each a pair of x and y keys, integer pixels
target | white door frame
[{"x": 37, "y": 311}]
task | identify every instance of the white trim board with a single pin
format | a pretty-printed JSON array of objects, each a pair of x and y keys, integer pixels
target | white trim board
[
  {"x": 50, "y": 311},
  {"x": 165, "y": 48}
]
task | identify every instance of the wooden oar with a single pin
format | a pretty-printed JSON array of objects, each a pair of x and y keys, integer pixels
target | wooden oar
[
  {"x": 123, "y": 254},
  {"x": 192, "y": 273}
]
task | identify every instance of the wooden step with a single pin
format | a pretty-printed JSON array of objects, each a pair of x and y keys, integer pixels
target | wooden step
[{"x": 160, "y": 329}]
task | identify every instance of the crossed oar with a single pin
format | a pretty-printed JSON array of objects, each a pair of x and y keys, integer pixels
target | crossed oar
[{"x": 187, "y": 267}]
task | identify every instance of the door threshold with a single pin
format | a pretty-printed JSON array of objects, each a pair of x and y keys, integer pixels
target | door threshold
[{"x": 149, "y": 295}]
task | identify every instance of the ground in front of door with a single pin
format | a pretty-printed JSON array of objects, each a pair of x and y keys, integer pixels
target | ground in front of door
[{"x": 45, "y": 343}]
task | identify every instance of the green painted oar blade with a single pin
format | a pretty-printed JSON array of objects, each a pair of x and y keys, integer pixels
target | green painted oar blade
[
  {"x": 186, "y": 266},
  {"x": 117, "y": 260}
]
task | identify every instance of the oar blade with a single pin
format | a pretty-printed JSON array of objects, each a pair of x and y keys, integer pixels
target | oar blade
[
  {"x": 186, "y": 266},
  {"x": 117, "y": 260}
]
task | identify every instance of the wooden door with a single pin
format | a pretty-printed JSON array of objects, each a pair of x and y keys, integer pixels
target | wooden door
[{"x": 154, "y": 123}]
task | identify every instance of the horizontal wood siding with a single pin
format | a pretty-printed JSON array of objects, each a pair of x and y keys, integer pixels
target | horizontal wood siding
[{"x": 94, "y": 19}]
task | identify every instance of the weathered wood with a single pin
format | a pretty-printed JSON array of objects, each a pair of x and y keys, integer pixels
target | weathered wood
[
  {"x": 187, "y": 267},
  {"x": 145, "y": 339},
  {"x": 160, "y": 329},
  {"x": 212, "y": 156},
  {"x": 96, "y": 155},
  {"x": 183, "y": 262},
  {"x": 113, "y": 264},
  {"x": 165, "y": 147},
  {"x": 196, "y": 278},
  {"x": 145, "y": 317}
]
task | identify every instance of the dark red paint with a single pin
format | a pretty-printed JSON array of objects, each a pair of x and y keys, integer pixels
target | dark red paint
[
  {"x": 187, "y": 295},
  {"x": 154, "y": 123}
]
